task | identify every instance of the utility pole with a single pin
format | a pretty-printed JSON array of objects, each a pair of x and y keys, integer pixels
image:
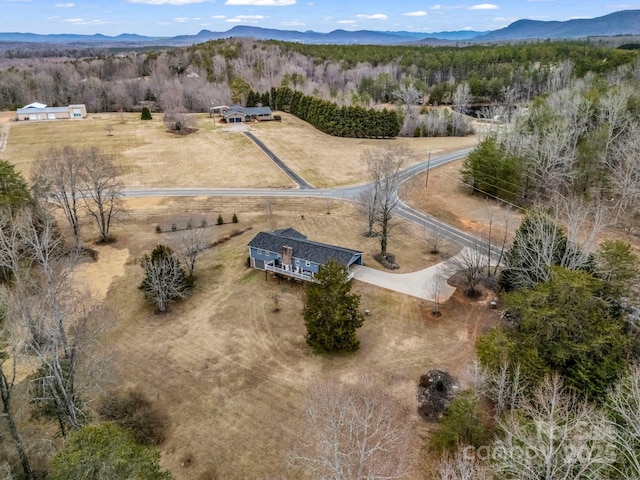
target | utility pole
[{"x": 426, "y": 181}]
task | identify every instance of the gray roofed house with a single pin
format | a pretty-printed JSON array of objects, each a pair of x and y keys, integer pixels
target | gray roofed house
[
  {"x": 290, "y": 253},
  {"x": 257, "y": 113}
]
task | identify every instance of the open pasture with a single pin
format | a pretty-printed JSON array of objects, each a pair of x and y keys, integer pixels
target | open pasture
[
  {"x": 212, "y": 157},
  {"x": 149, "y": 156},
  {"x": 326, "y": 161}
]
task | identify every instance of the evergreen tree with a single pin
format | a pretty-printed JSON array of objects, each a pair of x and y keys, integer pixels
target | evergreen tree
[
  {"x": 490, "y": 170},
  {"x": 146, "y": 114},
  {"x": 14, "y": 192},
  {"x": 331, "y": 312},
  {"x": 106, "y": 452},
  {"x": 565, "y": 326}
]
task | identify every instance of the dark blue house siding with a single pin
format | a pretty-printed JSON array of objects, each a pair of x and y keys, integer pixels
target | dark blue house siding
[{"x": 260, "y": 257}]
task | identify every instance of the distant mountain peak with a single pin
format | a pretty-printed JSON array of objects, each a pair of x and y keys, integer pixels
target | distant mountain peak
[{"x": 625, "y": 22}]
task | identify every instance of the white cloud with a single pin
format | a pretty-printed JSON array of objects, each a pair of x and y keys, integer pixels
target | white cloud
[
  {"x": 167, "y": 2},
  {"x": 82, "y": 21},
  {"x": 261, "y": 3},
  {"x": 245, "y": 18},
  {"x": 346, "y": 22},
  {"x": 375, "y": 16},
  {"x": 420, "y": 13},
  {"x": 64, "y": 5},
  {"x": 484, "y": 6},
  {"x": 218, "y": 17},
  {"x": 292, "y": 23},
  {"x": 504, "y": 19},
  {"x": 437, "y": 6},
  {"x": 181, "y": 19}
]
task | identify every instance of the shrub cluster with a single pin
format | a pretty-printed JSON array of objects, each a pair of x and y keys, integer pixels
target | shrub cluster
[{"x": 133, "y": 410}]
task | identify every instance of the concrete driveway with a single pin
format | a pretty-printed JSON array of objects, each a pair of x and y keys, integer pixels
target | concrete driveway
[{"x": 422, "y": 284}]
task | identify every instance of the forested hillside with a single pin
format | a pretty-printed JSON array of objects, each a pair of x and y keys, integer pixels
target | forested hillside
[{"x": 224, "y": 71}]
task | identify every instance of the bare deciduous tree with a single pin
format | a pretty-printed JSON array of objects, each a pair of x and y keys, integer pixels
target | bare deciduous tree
[
  {"x": 191, "y": 244},
  {"x": 624, "y": 405},
  {"x": 462, "y": 465},
  {"x": 59, "y": 179},
  {"x": 54, "y": 322},
  {"x": 462, "y": 98},
  {"x": 8, "y": 365},
  {"x": 352, "y": 432},
  {"x": 102, "y": 191},
  {"x": 434, "y": 238},
  {"x": 383, "y": 166},
  {"x": 553, "y": 436},
  {"x": 470, "y": 265},
  {"x": 368, "y": 201},
  {"x": 435, "y": 286},
  {"x": 408, "y": 95}
]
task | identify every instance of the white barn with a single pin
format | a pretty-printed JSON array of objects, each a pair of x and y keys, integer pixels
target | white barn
[{"x": 40, "y": 111}]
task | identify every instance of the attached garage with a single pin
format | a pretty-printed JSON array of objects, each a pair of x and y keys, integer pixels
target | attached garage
[{"x": 234, "y": 117}]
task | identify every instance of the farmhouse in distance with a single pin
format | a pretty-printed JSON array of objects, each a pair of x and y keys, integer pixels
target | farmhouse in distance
[
  {"x": 40, "y": 111},
  {"x": 238, "y": 114},
  {"x": 290, "y": 253}
]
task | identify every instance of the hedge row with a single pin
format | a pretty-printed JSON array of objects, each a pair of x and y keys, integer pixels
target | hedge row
[{"x": 356, "y": 122}]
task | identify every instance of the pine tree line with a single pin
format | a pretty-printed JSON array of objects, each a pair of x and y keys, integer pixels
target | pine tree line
[{"x": 351, "y": 121}]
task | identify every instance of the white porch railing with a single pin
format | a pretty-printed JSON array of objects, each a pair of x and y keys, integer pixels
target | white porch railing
[{"x": 289, "y": 273}]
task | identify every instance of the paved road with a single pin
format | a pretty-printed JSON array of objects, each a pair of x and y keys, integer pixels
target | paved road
[
  {"x": 293, "y": 175},
  {"x": 350, "y": 193}
]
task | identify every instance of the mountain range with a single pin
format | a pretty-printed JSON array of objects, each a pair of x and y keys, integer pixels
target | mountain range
[{"x": 625, "y": 22}]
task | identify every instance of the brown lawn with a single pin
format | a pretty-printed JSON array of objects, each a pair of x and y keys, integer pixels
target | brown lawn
[
  {"x": 326, "y": 161},
  {"x": 448, "y": 199},
  {"x": 149, "y": 156},
  {"x": 231, "y": 373},
  {"x": 211, "y": 157}
]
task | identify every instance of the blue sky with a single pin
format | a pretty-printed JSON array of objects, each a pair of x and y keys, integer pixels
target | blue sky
[{"x": 178, "y": 17}]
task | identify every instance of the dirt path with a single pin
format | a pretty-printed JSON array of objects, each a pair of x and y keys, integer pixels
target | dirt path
[{"x": 4, "y": 136}]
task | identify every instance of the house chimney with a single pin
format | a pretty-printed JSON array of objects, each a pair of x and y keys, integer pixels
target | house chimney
[{"x": 287, "y": 254}]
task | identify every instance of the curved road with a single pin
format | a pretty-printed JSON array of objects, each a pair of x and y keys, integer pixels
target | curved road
[{"x": 350, "y": 193}]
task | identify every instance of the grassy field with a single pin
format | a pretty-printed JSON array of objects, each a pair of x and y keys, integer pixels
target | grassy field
[
  {"x": 326, "y": 161},
  {"x": 148, "y": 156}
]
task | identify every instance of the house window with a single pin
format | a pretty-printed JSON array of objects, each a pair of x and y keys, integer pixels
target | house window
[
  {"x": 267, "y": 254},
  {"x": 259, "y": 252},
  {"x": 308, "y": 263}
]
